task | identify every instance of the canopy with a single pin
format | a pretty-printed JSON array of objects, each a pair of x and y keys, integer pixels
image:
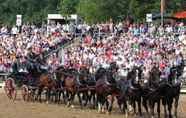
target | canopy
[{"x": 180, "y": 14}]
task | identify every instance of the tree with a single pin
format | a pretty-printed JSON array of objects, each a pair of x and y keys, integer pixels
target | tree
[
  {"x": 89, "y": 10},
  {"x": 92, "y": 11},
  {"x": 68, "y": 7}
]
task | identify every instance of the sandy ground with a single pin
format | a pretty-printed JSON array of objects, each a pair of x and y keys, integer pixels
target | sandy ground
[{"x": 21, "y": 109}]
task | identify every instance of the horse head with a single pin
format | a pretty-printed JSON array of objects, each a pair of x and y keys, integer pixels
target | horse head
[
  {"x": 84, "y": 74},
  {"x": 100, "y": 73},
  {"x": 135, "y": 74}
]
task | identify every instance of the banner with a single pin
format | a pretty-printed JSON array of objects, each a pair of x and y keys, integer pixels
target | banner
[{"x": 19, "y": 20}]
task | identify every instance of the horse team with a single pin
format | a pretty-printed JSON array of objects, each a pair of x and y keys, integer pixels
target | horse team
[{"x": 100, "y": 89}]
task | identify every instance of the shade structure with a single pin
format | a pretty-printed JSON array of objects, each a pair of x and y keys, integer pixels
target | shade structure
[{"x": 180, "y": 14}]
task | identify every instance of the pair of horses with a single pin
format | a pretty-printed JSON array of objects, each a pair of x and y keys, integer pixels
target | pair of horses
[
  {"x": 76, "y": 82},
  {"x": 155, "y": 90},
  {"x": 143, "y": 91}
]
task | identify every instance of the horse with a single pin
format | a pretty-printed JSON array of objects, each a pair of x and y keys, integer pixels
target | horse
[
  {"x": 106, "y": 88},
  {"x": 151, "y": 90},
  {"x": 42, "y": 79},
  {"x": 70, "y": 85},
  {"x": 122, "y": 97},
  {"x": 175, "y": 83},
  {"x": 60, "y": 77},
  {"x": 155, "y": 90},
  {"x": 86, "y": 87},
  {"x": 135, "y": 92}
]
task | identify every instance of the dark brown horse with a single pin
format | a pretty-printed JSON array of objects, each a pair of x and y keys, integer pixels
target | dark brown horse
[
  {"x": 134, "y": 91},
  {"x": 48, "y": 84},
  {"x": 42, "y": 80},
  {"x": 70, "y": 85},
  {"x": 86, "y": 87},
  {"x": 105, "y": 90}
]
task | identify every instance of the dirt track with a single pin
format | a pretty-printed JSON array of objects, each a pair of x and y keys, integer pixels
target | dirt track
[{"x": 20, "y": 109}]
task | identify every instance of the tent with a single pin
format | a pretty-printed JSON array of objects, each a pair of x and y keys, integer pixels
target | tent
[{"x": 180, "y": 15}]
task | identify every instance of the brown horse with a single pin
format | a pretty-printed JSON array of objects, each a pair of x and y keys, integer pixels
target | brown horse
[
  {"x": 105, "y": 91},
  {"x": 67, "y": 80},
  {"x": 86, "y": 88},
  {"x": 46, "y": 83}
]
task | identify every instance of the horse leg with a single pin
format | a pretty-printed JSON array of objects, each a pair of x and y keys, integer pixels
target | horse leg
[
  {"x": 56, "y": 96},
  {"x": 139, "y": 107},
  {"x": 145, "y": 105},
  {"x": 85, "y": 98},
  {"x": 89, "y": 99},
  {"x": 165, "y": 106},
  {"x": 134, "y": 106},
  {"x": 170, "y": 101},
  {"x": 110, "y": 102},
  {"x": 152, "y": 104},
  {"x": 69, "y": 99},
  {"x": 72, "y": 99},
  {"x": 120, "y": 103},
  {"x": 65, "y": 96},
  {"x": 99, "y": 103},
  {"x": 125, "y": 108},
  {"x": 59, "y": 96},
  {"x": 38, "y": 97},
  {"x": 94, "y": 100},
  {"x": 176, "y": 106},
  {"x": 158, "y": 108},
  {"x": 103, "y": 102},
  {"x": 47, "y": 96},
  {"x": 80, "y": 100}
]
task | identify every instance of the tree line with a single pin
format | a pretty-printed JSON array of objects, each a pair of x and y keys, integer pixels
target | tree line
[{"x": 92, "y": 11}]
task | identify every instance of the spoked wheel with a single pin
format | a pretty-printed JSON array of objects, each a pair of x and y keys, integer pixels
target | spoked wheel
[
  {"x": 11, "y": 93},
  {"x": 10, "y": 89},
  {"x": 25, "y": 92}
]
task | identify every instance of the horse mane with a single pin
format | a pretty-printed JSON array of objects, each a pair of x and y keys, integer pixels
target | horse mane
[{"x": 60, "y": 68}]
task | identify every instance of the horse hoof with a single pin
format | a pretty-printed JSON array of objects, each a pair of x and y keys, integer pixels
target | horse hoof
[
  {"x": 130, "y": 109},
  {"x": 108, "y": 113},
  {"x": 103, "y": 110},
  {"x": 99, "y": 111},
  {"x": 126, "y": 115},
  {"x": 72, "y": 106}
]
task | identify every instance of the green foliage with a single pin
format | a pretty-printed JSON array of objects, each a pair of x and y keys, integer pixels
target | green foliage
[
  {"x": 89, "y": 10},
  {"x": 68, "y": 7},
  {"x": 35, "y": 11}
]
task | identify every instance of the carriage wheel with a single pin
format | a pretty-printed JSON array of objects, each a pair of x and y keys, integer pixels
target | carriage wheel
[
  {"x": 11, "y": 93},
  {"x": 7, "y": 92},
  {"x": 24, "y": 92},
  {"x": 10, "y": 89}
]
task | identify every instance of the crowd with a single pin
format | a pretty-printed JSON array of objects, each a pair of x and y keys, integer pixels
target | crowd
[
  {"x": 128, "y": 46},
  {"x": 16, "y": 43},
  {"x": 101, "y": 44}
]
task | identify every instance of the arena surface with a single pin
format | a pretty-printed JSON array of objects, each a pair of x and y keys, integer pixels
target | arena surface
[{"x": 21, "y": 109}]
